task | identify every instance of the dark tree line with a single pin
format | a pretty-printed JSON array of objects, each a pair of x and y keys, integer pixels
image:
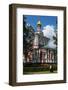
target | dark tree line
[
  {"x": 55, "y": 39},
  {"x": 28, "y": 37}
]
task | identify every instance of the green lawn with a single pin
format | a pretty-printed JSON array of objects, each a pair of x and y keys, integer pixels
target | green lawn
[
  {"x": 40, "y": 72},
  {"x": 36, "y": 70},
  {"x": 39, "y": 69}
]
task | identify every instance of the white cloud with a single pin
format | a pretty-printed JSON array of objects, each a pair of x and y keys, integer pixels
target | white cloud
[
  {"x": 48, "y": 31},
  {"x": 51, "y": 44}
]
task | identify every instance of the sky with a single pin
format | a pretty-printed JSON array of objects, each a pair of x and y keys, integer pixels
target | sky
[{"x": 45, "y": 20}]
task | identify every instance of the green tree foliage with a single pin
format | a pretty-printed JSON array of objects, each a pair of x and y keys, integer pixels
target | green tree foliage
[
  {"x": 55, "y": 38},
  {"x": 28, "y": 36}
]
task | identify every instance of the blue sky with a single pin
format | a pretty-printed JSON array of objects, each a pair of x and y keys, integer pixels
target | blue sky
[{"x": 45, "y": 20}]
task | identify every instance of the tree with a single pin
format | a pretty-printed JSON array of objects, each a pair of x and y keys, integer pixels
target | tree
[
  {"x": 28, "y": 37},
  {"x": 55, "y": 38}
]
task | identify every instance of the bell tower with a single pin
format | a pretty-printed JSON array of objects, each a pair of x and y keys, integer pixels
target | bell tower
[{"x": 38, "y": 26}]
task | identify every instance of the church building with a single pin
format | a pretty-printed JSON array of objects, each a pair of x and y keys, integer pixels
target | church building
[{"x": 41, "y": 52}]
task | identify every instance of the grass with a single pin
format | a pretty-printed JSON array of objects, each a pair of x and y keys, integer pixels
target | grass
[
  {"x": 40, "y": 72},
  {"x": 36, "y": 70},
  {"x": 39, "y": 68}
]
